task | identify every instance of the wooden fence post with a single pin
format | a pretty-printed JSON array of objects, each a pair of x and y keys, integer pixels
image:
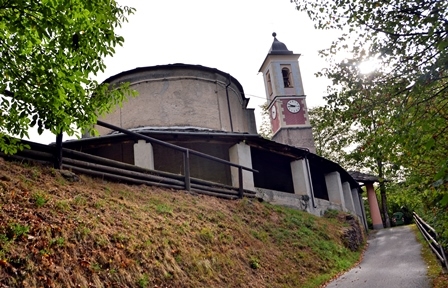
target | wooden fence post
[{"x": 58, "y": 152}]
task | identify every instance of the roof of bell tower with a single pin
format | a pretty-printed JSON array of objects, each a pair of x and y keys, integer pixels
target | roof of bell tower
[{"x": 278, "y": 48}]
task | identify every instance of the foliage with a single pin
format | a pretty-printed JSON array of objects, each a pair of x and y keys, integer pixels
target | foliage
[
  {"x": 49, "y": 52},
  {"x": 402, "y": 105},
  {"x": 330, "y": 135},
  {"x": 409, "y": 36},
  {"x": 265, "y": 127}
]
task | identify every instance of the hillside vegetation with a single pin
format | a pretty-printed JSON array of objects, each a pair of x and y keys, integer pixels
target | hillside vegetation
[{"x": 59, "y": 231}]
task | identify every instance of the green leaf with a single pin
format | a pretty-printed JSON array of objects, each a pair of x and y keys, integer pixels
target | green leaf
[{"x": 444, "y": 201}]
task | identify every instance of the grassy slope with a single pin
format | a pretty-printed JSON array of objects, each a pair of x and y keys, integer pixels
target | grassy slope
[
  {"x": 93, "y": 233},
  {"x": 436, "y": 274}
]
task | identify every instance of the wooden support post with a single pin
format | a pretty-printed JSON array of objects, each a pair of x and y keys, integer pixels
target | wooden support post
[
  {"x": 58, "y": 152},
  {"x": 240, "y": 180},
  {"x": 187, "y": 170}
]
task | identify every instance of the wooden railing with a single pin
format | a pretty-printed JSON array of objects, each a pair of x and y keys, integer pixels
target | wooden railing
[
  {"x": 431, "y": 237},
  {"x": 104, "y": 168},
  {"x": 186, "y": 156}
]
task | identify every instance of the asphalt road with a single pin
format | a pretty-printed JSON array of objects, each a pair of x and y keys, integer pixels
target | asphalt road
[{"x": 392, "y": 260}]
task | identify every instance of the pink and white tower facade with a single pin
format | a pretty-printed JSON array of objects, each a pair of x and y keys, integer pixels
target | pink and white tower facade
[{"x": 286, "y": 98}]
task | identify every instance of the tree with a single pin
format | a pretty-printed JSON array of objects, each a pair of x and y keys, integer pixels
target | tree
[
  {"x": 49, "y": 52},
  {"x": 350, "y": 130},
  {"x": 331, "y": 135},
  {"x": 410, "y": 36},
  {"x": 265, "y": 127},
  {"x": 409, "y": 41}
]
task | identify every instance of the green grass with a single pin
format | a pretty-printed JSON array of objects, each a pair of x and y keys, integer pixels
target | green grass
[
  {"x": 435, "y": 271},
  {"x": 17, "y": 230},
  {"x": 40, "y": 198}
]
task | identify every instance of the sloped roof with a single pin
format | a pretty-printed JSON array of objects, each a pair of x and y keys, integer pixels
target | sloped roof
[
  {"x": 365, "y": 178},
  {"x": 278, "y": 48}
]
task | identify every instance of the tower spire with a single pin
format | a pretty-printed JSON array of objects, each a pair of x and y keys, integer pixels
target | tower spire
[
  {"x": 284, "y": 92},
  {"x": 278, "y": 48}
]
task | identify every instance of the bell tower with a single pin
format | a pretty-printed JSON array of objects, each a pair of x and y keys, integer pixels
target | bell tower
[{"x": 286, "y": 98}]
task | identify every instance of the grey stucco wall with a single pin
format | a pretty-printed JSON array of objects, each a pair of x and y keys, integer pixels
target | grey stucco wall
[
  {"x": 182, "y": 98},
  {"x": 298, "y": 137}
]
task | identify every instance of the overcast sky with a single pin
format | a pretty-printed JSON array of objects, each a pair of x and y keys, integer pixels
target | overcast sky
[{"x": 233, "y": 36}]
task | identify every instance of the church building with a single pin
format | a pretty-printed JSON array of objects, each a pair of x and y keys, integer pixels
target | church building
[{"x": 205, "y": 109}]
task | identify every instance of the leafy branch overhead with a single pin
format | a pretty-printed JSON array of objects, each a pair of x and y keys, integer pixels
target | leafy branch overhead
[
  {"x": 49, "y": 52},
  {"x": 397, "y": 114},
  {"x": 408, "y": 38}
]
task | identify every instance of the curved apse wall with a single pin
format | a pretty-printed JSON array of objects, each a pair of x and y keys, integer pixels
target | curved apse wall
[{"x": 182, "y": 96}]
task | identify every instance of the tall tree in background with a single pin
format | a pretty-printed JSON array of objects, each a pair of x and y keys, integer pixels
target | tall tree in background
[
  {"x": 49, "y": 51},
  {"x": 331, "y": 135},
  {"x": 351, "y": 130},
  {"x": 409, "y": 41}
]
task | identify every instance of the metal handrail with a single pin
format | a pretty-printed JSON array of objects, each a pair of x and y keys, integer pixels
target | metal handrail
[
  {"x": 426, "y": 231},
  {"x": 186, "y": 156}
]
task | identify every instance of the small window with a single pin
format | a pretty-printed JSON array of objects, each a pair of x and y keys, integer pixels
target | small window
[
  {"x": 269, "y": 83},
  {"x": 286, "y": 77}
]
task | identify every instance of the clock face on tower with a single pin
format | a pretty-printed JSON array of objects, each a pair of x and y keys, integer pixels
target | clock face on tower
[
  {"x": 293, "y": 106},
  {"x": 273, "y": 112}
]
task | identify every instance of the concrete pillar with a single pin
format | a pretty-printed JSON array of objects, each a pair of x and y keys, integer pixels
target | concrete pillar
[
  {"x": 143, "y": 155},
  {"x": 364, "y": 217},
  {"x": 334, "y": 188},
  {"x": 301, "y": 181},
  {"x": 374, "y": 208},
  {"x": 359, "y": 207},
  {"x": 356, "y": 202},
  {"x": 348, "y": 199},
  {"x": 240, "y": 154}
]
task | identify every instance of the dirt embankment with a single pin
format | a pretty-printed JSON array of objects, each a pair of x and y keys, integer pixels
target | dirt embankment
[{"x": 60, "y": 231}]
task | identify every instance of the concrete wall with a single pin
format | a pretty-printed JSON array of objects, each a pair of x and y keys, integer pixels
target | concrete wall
[
  {"x": 298, "y": 137},
  {"x": 324, "y": 205},
  {"x": 295, "y": 201},
  {"x": 182, "y": 97},
  {"x": 283, "y": 199}
]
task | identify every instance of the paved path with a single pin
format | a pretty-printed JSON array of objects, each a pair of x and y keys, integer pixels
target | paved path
[{"x": 392, "y": 260}]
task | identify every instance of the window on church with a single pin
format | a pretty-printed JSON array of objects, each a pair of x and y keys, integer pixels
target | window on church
[
  {"x": 269, "y": 83},
  {"x": 286, "y": 77}
]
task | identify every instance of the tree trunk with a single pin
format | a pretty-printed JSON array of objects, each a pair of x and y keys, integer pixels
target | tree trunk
[
  {"x": 384, "y": 204},
  {"x": 383, "y": 194}
]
